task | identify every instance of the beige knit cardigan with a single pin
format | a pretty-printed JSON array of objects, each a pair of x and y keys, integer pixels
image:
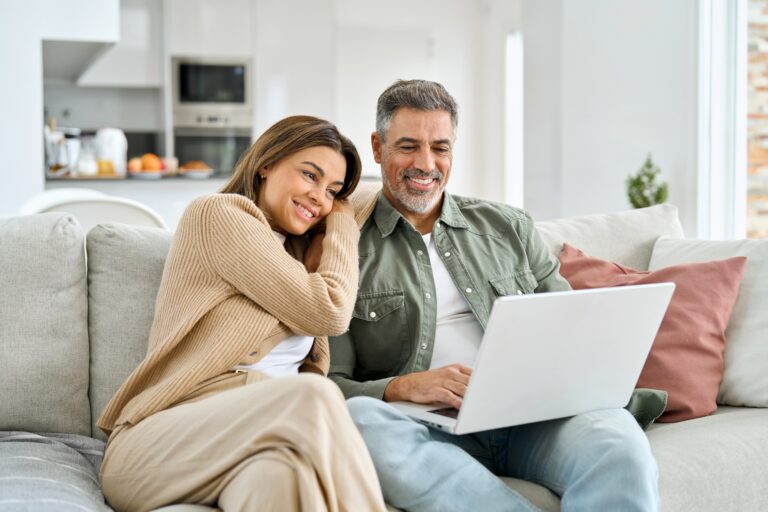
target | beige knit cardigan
[{"x": 229, "y": 290}]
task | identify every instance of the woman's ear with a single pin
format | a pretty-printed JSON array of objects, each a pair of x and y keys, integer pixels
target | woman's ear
[{"x": 263, "y": 172}]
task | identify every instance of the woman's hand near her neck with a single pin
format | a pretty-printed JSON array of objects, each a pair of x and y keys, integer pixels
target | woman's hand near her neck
[
  {"x": 314, "y": 253},
  {"x": 342, "y": 206},
  {"x": 315, "y": 250}
]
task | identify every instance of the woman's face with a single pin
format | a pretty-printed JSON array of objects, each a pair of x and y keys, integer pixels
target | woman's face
[{"x": 298, "y": 191}]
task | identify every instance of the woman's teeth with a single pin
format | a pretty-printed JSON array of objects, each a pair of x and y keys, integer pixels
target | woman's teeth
[{"x": 306, "y": 212}]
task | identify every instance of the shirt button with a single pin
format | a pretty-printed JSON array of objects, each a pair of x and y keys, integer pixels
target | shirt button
[
  {"x": 428, "y": 295},
  {"x": 372, "y": 314},
  {"x": 519, "y": 292},
  {"x": 423, "y": 346},
  {"x": 419, "y": 252},
  {"x": 447, "y": 255},
  {"x": 468, "y": 290}
]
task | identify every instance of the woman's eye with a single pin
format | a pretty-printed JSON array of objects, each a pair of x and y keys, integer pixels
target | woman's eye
[
  {"x": 332, "y": 193},
  {"x": 310, "y": 175}
]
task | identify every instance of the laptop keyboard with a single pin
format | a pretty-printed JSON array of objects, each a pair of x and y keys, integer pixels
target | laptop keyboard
[{"x": 447, "y": 411}]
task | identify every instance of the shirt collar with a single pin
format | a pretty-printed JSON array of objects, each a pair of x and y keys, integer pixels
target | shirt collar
[{"x": 386, "y": 216}]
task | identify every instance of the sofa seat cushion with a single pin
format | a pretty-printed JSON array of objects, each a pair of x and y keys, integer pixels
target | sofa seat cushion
[
  {"x": 713, "y": 463},
  {"x": 44, "y": 319},
  {"x": 43, "y": 472}
]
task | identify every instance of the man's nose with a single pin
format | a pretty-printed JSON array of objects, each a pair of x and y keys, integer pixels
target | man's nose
[{"x": 424, "y": 160}]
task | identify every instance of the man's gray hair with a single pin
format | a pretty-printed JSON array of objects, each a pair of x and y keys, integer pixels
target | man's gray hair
[{"x": 416, "y": 94}]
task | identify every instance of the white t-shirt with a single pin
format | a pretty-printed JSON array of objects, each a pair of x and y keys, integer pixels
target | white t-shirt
[
  {"x": 458, "y": 333},
  {"x": 287, "y": 356}
]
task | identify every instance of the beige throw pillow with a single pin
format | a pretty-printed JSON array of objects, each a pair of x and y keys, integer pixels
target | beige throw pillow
[{"x": 626, "y": 237}]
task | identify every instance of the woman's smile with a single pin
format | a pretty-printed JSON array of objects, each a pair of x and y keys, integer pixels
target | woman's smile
[{"x": 305, "y": 212}]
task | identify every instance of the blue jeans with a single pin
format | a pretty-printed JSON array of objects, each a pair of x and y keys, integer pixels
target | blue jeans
[{"x": 597, "y": 461}]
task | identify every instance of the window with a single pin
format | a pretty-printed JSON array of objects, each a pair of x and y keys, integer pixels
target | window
[{"x": 757, "y": 119}]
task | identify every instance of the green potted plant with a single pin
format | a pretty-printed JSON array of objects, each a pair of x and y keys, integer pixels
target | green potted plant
[{"x": 645, "y": 188}]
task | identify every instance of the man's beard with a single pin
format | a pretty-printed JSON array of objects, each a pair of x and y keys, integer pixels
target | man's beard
[{"x": 416, "y": 201}]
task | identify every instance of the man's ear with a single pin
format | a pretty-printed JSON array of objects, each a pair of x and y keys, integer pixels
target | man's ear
[{"x": 376, "y": 147}]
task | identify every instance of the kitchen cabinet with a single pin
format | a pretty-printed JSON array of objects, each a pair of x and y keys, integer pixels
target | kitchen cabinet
[
  {"x": 136, "y": 59},
  {"x": 208, "y": 28}
]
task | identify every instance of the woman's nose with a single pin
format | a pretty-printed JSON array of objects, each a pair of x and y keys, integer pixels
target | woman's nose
[{"x": 316, "y": 195}]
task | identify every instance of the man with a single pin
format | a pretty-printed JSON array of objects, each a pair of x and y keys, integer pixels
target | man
[{"x": 431, "y": 265}]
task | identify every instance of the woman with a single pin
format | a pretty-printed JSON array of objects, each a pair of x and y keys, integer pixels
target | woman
[{"x": 199, "y": 421}]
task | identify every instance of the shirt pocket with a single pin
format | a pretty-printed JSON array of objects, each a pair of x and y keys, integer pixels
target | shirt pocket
[
  {"x": 380, "y": 331},
  {"x": 519, "y": 283}
]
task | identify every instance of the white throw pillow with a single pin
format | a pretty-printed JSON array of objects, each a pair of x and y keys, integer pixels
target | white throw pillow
[{"x": 745, "y": 380}]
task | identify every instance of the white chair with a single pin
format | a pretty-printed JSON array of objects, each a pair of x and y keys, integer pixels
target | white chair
[{"x": 91, "y": 207}]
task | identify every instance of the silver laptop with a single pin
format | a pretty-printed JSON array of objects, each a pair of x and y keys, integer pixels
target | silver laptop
[{"x": 554, "y": 355}]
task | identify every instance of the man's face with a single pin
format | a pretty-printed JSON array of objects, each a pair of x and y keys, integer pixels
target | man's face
[{"x": 415, "y": 157}]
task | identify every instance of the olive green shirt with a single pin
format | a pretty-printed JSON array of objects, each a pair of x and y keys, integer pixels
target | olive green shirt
[{"x": 490, "y": 250}]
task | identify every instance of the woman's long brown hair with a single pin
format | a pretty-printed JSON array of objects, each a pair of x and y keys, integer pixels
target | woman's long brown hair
[{"x": 285, "y": 138}]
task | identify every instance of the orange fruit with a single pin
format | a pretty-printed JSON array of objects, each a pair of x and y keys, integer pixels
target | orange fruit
[{"x": 151, "y": 162}]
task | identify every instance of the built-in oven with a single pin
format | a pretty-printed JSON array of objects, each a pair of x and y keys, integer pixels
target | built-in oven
[
  {"x": 212, "y": 110},
  {"x": 218, "y": 148}
]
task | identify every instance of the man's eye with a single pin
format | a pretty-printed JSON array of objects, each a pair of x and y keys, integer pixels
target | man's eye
[
  {"x": 310, "y": 175},
  {"x": 442, "y": 150},
  {"x": 407, "y": 148}
]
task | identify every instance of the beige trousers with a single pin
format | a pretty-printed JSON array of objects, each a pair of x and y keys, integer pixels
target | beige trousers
[{"x": 284, "y": 444}]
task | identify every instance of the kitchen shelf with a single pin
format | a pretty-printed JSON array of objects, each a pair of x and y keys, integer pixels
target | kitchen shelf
[
  {"x": 84, "y": 178},
  {"x": 127, "y": 178}
]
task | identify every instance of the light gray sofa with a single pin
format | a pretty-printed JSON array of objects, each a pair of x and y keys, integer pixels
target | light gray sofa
[{"x": 75, "y": 312}]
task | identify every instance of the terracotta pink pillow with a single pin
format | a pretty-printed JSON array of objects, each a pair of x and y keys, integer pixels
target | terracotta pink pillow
[{"x": 686, "y": 358}]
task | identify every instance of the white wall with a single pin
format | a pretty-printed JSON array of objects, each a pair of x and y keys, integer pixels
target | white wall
[
  {"x": 627, "y": 86},
  {"x": 293, "y": 53},
  {"x": 542, "y": 49},
  {"x": 466, "y": 55},
  {"x": 23, "y": 25},
  {"x": 495, "y": 19}
]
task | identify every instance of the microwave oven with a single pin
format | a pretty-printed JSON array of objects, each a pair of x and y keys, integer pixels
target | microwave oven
[{"x": 211, "y": 93}]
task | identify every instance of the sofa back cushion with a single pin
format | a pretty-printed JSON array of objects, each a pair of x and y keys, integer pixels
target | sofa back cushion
[
  {"x": 125, "y": 265},
  {"x": 43, "y": 325},
  {"x": 626, "y": 237},
  {"x": 745, "y": 381}
]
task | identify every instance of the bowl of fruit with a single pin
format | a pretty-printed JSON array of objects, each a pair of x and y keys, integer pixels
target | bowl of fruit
[
  {"x": 148, "y": 166},
  {"x": 195, "y": 169}
]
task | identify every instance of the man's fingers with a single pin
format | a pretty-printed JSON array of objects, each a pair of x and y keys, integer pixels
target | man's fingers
[
  {"x": 462, "y": 378},
  {"x": 447, "y": 397},
  {"x": 466, "y": 370},
  {"x": 458, "y": 373},
  {"x": 456, "y": 387}
]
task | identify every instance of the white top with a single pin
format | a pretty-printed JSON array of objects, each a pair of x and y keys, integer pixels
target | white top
[
  {"x": 458, "y": 333},
  {"x": 287, "y": 356}
]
